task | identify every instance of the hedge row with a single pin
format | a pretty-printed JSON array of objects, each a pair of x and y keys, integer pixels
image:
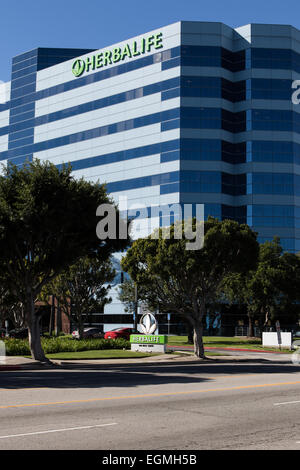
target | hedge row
[{"x": 20, "y": 347}]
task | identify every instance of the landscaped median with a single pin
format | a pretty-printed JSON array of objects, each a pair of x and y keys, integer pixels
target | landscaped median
[
  {"x": 67, "y": 348},
  {"x": 229, "y": 343},
  {"x": 20, "y": 347}
]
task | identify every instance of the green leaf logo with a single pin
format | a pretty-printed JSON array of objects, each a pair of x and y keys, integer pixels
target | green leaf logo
[{"x": 78, "y": 67}]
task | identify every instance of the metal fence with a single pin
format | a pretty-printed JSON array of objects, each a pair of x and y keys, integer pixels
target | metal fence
[{"x": 244, "y": 331}]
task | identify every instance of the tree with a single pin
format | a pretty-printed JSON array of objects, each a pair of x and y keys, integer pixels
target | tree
[
  {"x": 273, "y": 284},
  {"x": 185, "y": 281},
  {"x": 47, "y": 221},
  {"x": 82, "y": 289}
]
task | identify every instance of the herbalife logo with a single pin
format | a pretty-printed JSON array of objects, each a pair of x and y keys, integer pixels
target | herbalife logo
[
  {"x": 117, "y": 54},
  {"x": 148, "y": 323},
  {"x": 78, "y": 67}
]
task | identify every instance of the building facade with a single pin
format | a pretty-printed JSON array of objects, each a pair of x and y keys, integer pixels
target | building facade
[{"x": 193, "y": 112}]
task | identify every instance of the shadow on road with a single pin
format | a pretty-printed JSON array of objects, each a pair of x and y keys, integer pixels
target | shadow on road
[{"x": 133, "y": 375}]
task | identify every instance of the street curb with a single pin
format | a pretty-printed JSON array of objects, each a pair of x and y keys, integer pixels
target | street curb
[
  {"x": 246, "y": 350},
  {"x": 11, "y": 367},
  {"x": 190, "y": 348},
  {"x": 4, "y": 367}
]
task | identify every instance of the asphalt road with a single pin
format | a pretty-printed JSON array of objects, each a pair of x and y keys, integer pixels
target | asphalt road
[{"x": 181, "y": 405}]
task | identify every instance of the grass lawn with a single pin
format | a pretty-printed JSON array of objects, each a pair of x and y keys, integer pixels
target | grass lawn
[
  {"x": 225, "y": 342},
  {"x": 99, "y": 354}
]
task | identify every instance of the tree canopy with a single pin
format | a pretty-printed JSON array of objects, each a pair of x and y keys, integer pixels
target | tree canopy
[
  {"x": 47, "y": 222},
  {"x": 274, "y": 284},
  {"x": 185, "y": 281},
  {"x": 82, "y": 289}
]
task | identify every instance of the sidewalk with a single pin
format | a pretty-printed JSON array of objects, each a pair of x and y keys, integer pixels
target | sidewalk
[
  {"x": 19, "y": 363},
  {"x": 22, "y": 363}
]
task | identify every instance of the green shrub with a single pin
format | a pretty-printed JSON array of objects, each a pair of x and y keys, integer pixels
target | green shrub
[
  {"x": 17, "y": 347},
  {"x": 20, "y": 347}
]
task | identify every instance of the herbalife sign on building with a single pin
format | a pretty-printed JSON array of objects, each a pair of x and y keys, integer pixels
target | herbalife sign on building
[
  {"x": 147, "y": 341},
  {"x": 117, "y": 54}
]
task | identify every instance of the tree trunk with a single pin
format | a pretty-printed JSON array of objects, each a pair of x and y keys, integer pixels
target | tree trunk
[
  {"x": 190, "y": 334},
  {"x": 34, "y": 337},
  {"x": 267, "y": 318},
  {"x": 250, "y": 327},
  {"x": 198, "y": 340},
  {"x": 80, "y": 329}
]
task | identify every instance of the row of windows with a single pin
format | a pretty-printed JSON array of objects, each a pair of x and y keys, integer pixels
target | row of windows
[
  {"x": 186, "y": 181},
  {"x": 260, "y": 210},
  {"x": 255, "y": 88},
  {"x": 135, "y": 183},
  {"x": 274, "y": 151},
  {"x": 273, "y": 120},
  {"x": 22, "y": 142},
  {"x": 23, "y": 57},
  {"x": 164, "y": 148},
  {"x": 203, "y": 150},
  {"x": 94, "y": 133},
  {"x": 207, "y": 118},
  {"x": 215, "y": 87},
  {"x": 202, "y": 117},
  {"x": 267, "y": 58},
  {"x": 212, "y": 118},
  {"x": 191, "y": 149},
  {"x": 94, "y": 105},
  {"x": 284, "y": 222},
  {"x": 212, "y": 56},
  {"x": 22, "y": 109},
  {"x": 24, "y": 90},
  {"x": 269, "y": 89},
  {"x": 32, "y": 61},
  {"x": 274, "y": 183},
  {"x": 216, "y": 182},
  {"x": 18, "y": 115}
]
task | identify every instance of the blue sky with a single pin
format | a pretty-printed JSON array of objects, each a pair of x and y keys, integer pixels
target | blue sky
[{"x": 26, "y": 24}]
